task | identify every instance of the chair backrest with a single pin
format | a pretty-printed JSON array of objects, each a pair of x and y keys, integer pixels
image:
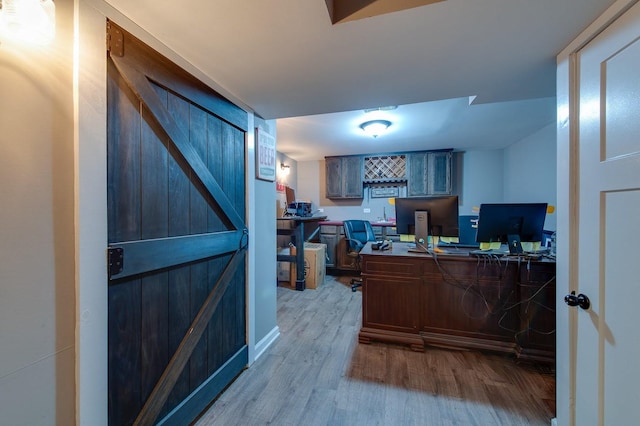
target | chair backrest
[{"x": 357, "y": 230}]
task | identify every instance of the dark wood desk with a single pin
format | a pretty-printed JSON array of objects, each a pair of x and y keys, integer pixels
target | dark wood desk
[
  {"x": 459, "y": 300},
  {"x": 294, "y": 227}
]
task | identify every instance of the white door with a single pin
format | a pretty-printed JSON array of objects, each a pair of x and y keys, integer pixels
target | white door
[{"x": 603, "y": 256}]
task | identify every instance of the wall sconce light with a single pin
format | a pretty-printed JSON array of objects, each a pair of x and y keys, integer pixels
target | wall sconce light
[
  {"x": 375, "y": 127},
  {"x": 285, "y": 168},
  {"x": 30, "y": 21}
]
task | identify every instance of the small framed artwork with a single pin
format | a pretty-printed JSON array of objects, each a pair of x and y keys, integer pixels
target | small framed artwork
[
  {"x": 384, "y": 191},
  {"x": 265, "y": 155}
]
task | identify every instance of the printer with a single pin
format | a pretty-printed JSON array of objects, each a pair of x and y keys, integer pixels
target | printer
[
  {"x": 299, "y": 208},
  {"x": 296, "y": 208}
]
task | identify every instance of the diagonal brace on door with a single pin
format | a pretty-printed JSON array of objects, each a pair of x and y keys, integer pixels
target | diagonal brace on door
[
  {"x": 170, "y": 375},
  {"x": 141, "y": 86}
]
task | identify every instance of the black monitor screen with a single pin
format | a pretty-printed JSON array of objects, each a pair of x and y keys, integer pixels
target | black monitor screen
[
  {"x": 443, "y": 215},
  {"x": 496, "y": 221}
]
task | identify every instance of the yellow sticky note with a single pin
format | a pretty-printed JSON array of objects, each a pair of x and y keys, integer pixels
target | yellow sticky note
[{"x": 490, "y": 246}]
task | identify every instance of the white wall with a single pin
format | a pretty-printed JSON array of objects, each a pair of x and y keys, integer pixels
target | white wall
[
  {"x": 480, "y": 178},
  {"x": 530, "y": 171},
  {"x": 37, "y": 284}
]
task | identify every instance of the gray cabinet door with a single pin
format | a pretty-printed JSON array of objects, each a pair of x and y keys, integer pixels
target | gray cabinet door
[
  {"x": 429, "y": 173},
  {"x": 417, "y": 174},
  {"x": 331, "y": 240},
  {"x": 344, "y": 177},
  {"x": 333, "y": 168},
  {"x": 439, "y": 173},
  {"x": 352, "y": 177}
]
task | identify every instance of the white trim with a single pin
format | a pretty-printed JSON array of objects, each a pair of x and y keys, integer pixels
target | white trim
[
  {"x": 596, "y": 27},
  {"x": 250, "y": 208},
  {"x": 90, "y": 134},
  {"x": 266, "y": 342}
]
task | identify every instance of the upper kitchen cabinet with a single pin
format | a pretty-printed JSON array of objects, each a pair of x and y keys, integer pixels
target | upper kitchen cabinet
[
  {"x": 429, "y": 173},
  {"x": 344, "y": 177}
]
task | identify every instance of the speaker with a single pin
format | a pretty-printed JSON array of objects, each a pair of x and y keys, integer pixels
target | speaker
[{"x": 421, "y": 221}]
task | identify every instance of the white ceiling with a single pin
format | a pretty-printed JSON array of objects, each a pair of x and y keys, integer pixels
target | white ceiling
[{"x": 285, "y": 60}]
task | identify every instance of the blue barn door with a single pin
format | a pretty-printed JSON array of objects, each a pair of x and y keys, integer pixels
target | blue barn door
[{"x": 177, "y": 238}]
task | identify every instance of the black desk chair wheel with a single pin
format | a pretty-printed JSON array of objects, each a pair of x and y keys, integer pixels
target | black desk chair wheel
[{"x": 357, "y": 233}]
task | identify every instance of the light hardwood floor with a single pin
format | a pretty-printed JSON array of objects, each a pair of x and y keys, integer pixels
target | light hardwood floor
[{"x": 317, "y": 373}]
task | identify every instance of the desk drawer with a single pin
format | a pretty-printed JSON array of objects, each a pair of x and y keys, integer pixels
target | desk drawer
[{"x": 394, "y": 266}]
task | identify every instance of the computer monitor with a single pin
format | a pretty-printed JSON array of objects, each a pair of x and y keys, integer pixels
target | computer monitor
[
  {"x": 442, "y": 217},
  {"x": 511, "y": 223}
]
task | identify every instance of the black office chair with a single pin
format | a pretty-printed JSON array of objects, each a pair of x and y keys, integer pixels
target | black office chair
[{"x": 357, "y": 233}]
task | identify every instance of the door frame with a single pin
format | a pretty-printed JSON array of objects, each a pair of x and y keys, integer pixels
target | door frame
[{"x": 568, "y": 209}]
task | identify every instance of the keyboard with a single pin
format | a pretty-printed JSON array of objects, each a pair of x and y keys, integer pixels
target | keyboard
[
  {"x": 497, "y": 253},
  {"x": 459, "y": 245}
]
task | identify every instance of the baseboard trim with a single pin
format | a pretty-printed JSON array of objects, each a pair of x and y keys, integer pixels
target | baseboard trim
[{"x": 266, "y": 342}]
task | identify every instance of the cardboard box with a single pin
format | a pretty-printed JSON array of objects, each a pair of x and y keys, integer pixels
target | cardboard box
[
  {"x": 284, "y": 268},
  {"x": 314, "y": 266}
]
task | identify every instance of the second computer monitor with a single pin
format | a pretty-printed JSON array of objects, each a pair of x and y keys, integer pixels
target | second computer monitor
[{"x": 511, "y": 223}]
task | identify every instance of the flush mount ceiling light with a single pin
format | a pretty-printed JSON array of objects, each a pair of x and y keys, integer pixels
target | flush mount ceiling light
[
  {"x": 382, "y": 108},
  {"x": 30, "y": 21},
  {"x": 375, "y": 127}
]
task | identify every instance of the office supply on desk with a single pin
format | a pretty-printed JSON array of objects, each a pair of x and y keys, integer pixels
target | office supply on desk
[
  {"x": 299, "y": 209},
  {"x": 296, "y": 208}
]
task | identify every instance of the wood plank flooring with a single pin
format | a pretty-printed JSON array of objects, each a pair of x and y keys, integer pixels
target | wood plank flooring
[{"x": 317, "y": 373}]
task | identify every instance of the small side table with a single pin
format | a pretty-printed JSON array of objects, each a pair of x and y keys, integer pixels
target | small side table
[{"x": 296, "y": 231}]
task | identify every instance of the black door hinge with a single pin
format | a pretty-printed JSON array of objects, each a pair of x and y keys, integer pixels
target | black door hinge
[
  {"x": 115, "y": 40},
  {"x": 116, "y": 260}
]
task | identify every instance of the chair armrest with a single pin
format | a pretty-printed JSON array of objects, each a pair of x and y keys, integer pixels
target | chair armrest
[{"x": 357, "y": 243}]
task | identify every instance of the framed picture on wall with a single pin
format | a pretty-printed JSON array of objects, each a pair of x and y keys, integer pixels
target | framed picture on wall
[{"x": 265, "y": 155}]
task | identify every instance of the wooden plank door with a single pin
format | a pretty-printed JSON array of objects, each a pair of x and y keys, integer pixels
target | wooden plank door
[{"x": 177, "y": 238}]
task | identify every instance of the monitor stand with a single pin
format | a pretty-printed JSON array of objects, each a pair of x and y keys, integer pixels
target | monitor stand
[
  {"x": 420, "y": 247},
  {"x": 421, "y": 225},
  {"x": 515, "y": 245}
]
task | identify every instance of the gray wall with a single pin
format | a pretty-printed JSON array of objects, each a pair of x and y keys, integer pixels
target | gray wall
[{"x": 264, "y": 244}]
